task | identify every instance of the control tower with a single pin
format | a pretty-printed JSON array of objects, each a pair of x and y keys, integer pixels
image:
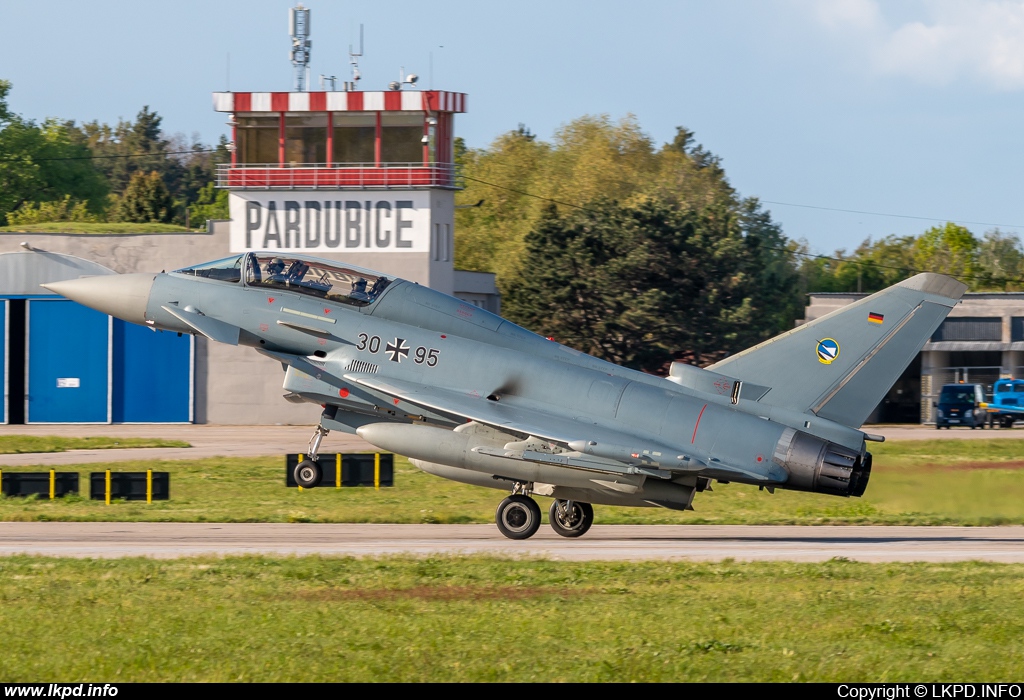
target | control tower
[{"x": 367, "y": 177}]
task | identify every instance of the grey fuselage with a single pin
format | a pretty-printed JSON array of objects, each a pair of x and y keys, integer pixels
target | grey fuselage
[{"x": 470, "y": 396}]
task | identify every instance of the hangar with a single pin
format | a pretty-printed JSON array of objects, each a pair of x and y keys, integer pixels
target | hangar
[
  {"x": 65, "y": 363},
  {"x": 980, "y": 341}
]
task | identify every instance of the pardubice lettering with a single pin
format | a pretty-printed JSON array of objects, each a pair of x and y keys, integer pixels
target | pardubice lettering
[{"x": 366, "y": 225}]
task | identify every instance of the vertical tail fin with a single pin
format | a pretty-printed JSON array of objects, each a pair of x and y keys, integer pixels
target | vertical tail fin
[{"x": 840, "y": 366}]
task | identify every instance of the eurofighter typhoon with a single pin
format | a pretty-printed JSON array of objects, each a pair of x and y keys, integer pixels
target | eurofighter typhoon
[{"x": 471, "y": 397}]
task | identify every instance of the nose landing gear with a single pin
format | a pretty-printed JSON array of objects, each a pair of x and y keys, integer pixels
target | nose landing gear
[{"x": 308, "y": 473}]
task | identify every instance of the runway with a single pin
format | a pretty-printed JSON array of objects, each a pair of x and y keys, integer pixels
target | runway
[{"x": 603, "y": 542}]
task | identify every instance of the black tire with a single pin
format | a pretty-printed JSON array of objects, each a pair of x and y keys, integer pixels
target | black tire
[
  {"x": 518, "y": 517},
  {"x": 308, "y": 474},
  {"x": 575, "y": 523}
]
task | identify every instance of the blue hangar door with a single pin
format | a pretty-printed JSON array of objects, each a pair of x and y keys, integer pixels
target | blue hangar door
[
  {"x": 152, "y": 380},
  {"x": 68, "y": 363}
]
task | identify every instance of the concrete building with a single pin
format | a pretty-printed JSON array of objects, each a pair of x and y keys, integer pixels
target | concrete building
[
  {"x": 363, "y": 177},
  {"x": 980, "y": 341}
]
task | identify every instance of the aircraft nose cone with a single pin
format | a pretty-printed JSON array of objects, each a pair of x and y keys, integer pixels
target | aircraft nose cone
[{"x": 122, "y": 296}]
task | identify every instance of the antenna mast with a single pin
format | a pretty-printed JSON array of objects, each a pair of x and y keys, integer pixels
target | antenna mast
[
  {"x": 298, "y": 24},
  {"x": 353, "y": 58}
]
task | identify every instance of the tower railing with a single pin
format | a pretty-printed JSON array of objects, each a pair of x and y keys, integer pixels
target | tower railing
[{"x": 336, "y": 176}]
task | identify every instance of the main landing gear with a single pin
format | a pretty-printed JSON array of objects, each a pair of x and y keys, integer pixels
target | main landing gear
[
  {"x": 518, "y": 516},
  {"x": 308, "y": 472},
  {"x": 570, "y": 518}
]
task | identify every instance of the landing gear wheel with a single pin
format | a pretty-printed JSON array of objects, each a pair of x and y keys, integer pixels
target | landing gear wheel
[
  {"x": 570, "y": 518},
  {"x": 518, "y": 517},
  {"x": 308, "y": 473}
]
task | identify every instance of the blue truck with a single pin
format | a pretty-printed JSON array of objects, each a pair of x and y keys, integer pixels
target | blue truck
[{"x": 1007, "y": 403}]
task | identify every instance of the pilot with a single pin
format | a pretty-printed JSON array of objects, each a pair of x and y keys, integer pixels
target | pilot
[
  {"x": 359, "y": 290},
  {"x": 378, "y": 287},
  {"x": 275, "y": 270}
]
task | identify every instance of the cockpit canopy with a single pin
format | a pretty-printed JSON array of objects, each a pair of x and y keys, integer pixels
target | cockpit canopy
[{"x": 302, "y": 274}]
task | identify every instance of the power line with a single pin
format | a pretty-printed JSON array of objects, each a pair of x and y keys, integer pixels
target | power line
[
  {"x": 896, "y": 216},
  {"x": 867, "y": 263}
]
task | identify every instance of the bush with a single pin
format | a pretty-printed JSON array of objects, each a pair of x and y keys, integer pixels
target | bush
[{"x": 66, "y": 209}]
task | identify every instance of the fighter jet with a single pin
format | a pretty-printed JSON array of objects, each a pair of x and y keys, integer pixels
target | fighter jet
[{"x": 472, "y": 397}]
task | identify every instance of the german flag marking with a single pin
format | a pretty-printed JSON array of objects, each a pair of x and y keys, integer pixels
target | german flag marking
[{"x": 876, "y": 318}]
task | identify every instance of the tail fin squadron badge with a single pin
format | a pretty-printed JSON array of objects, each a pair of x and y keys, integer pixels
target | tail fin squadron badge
[{"x": 828, "y": 351}]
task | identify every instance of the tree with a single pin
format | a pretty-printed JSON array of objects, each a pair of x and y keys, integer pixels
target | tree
[
  {"x": 644, "y": 284},
  {"x": 211, "y": 203},
  {"x": 1000, "y": 261},
  {"x": 146, "y": 200},
  {"x": 123, "y": 148},
  {"x": 589, "y": 158},
  {"x": 951, "y": 249},
  {"x": 43, "y": 163}
]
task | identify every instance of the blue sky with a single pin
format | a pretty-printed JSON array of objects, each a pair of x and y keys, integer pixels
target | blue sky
[{"x": 910, "y": 107}]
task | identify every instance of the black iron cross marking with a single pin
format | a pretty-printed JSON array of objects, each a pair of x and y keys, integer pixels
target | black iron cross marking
[{"x": 396, "y": 350}]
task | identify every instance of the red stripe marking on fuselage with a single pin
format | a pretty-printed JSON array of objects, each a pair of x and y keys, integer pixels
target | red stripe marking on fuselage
[{"x": 698, "y": 423}]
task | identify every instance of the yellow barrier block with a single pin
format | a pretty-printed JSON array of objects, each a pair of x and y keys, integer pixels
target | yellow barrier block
[
  {"x": 53, "y": 483},
  {"x": 107, "y": 485},
  {"x": 149, "y": 486},
  {"x": 337, "y": 471},
  {"x": 301, "y": 456},
  {"x": 376, "y": 471}
]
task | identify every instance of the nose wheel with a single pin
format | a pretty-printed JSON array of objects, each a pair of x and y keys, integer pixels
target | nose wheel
[
  {"x": 308, "y": 473},
  {"x": 518, "y": 517},
  {"x": 570, "y": 518}
]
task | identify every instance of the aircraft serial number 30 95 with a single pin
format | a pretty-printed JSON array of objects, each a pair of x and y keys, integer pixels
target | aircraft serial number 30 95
[{"x": 398, "y": 349}]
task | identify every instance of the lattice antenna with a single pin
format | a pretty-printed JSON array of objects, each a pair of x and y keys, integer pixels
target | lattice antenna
[{"x": 298, "y": 25}]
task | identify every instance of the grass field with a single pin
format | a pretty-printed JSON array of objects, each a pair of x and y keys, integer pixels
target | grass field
[
  {"x": 20, "y": 444},
  {"x": 89, "y": 227},
  {"x": 475, "y": 619},
  {"x": 948, "y": 482}
]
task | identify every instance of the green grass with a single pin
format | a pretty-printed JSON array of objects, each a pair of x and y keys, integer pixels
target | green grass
[
  {"x": 89, "y": 227},
  {"x": 912, "y": 483},
  {"x": 479, "y": 619},
  {"x": 18, "y": 444}
]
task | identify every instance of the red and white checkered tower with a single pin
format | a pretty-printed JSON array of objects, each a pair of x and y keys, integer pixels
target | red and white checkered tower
[{"x": 367, "y": 177}]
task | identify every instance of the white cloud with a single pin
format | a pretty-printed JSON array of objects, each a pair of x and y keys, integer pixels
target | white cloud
[{"x": 953, "y": 40}]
